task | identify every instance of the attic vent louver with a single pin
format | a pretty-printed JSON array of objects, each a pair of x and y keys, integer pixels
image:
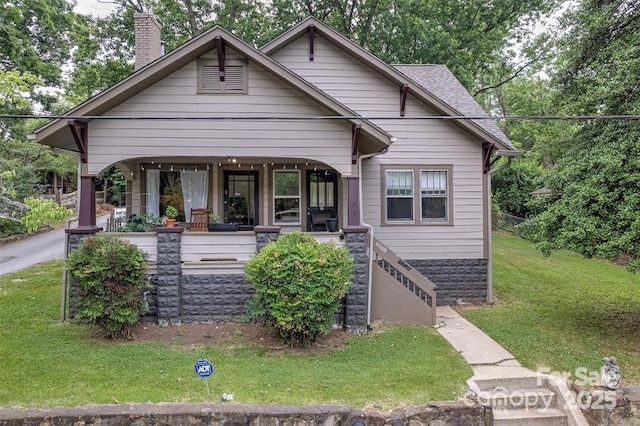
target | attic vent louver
[
  {"x": 235, "y": 79},
  {"x": 210, "y": 78}
]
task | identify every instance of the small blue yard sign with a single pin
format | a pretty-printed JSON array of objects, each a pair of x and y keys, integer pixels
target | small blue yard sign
[{"x": 203, "y": 368}]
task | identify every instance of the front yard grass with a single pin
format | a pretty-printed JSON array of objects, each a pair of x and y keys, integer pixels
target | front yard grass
[
  {"x": 562, "y": 312},
  {"x": 44, "y": 363}
]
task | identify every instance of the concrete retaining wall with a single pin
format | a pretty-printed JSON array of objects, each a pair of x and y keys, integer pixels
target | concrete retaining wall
[{"x": 436, "y": 413}]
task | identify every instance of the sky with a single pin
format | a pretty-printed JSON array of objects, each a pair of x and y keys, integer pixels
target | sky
[{"x": 94, "y": 7}]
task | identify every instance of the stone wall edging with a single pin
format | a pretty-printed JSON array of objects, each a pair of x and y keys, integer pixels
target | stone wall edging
[{"x": 434, "y": 413}]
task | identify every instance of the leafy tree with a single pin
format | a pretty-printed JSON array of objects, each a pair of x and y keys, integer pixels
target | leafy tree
[
  {"x": 467, "y": 36},
  {"x": 34, "y": 37},
  {"x": 596, "y": 205}
]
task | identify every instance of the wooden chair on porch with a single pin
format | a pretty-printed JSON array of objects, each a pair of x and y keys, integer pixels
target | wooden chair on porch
[{"x": 200, "y": 219}]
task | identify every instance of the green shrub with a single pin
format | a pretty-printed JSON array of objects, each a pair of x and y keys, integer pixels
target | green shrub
[
  {"x": 298, "y": 285},
  {"x": 143, "y": 223},
  {"x": 42, "y": 213},
  {"x": 110, "y": 274}
]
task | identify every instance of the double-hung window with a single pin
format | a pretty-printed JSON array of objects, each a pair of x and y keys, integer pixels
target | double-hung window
[
  {"x": 399, "y": 195},
  {"x": 434, "y": 195},
  {"x": 286, "y": 197},
  {"x": 417, "y": 195}
]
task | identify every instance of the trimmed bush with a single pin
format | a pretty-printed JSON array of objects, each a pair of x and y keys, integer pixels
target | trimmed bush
[
  {"x": 298, "y": 284},
  {"x": 110, "y": 274}
]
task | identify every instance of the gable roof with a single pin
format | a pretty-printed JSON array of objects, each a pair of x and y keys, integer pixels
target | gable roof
[
  {"x": 441, "y": 82},
  {"x": 56, "y": 133},
  {"x": 431, "y": 86}
]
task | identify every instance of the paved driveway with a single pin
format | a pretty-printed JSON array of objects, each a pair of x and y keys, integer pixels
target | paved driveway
[{"x": 35, "y": 249}]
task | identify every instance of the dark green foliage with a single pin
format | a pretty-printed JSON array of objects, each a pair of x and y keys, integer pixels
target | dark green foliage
[
  {"x": 595, "y": 209},
  {"x": 298, "y": 284},
  {"x": 512, "y": 187},
  {"x": 110, "y": 274},
  {"x": 145, "y": 223}
]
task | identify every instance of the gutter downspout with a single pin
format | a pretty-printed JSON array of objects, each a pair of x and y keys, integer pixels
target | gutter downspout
[
  {"x": 370, "y": 227},
  {"x": 490, "y": 231}
]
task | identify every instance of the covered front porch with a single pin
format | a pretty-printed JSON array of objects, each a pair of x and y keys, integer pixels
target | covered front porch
[{"x": 293, "y": 193}]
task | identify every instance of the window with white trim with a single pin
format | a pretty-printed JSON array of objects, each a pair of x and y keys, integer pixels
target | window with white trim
[
  {"x": 416, "y": 195},
  {"x": 286, "y": 197}
]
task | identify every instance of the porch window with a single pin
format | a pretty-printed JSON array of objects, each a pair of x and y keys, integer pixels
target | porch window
[
  {"x": 399, "y": 195},
  {"x": 286, "y": 197},
  {"x": 434, "y": 195}
]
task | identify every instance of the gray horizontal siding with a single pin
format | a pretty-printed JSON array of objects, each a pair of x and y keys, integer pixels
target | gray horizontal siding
[
  {"x": 114, "y": 141},
  {"x": 419, "y": 142}
]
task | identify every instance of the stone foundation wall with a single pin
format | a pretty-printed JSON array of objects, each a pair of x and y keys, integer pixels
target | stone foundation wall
[
  {"x": 213, "y": 297},
  {"x": 432, "y": 414},
  {"x": 457, "y": 279}
]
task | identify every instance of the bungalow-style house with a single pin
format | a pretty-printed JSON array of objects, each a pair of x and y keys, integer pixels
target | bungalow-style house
[{"x": 308, "y": 128}]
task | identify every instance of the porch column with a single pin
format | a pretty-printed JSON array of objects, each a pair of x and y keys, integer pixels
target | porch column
[
  {"x": 357, "y": 300},
  {"x": 169, "y": 273},
  {"x": 353, "y": 210},
  {"x": 73, "y": 241},
  {"x": 265, "y": 234},
  {"x": 87, "y": 207}
]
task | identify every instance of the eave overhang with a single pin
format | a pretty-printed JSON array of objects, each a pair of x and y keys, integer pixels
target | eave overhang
[
  {"x": 57, "y": 134},
  {"x": 386, "y": 71}
]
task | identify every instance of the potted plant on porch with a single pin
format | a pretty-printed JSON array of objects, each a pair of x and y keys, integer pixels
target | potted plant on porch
[
  {"x": 214, "y": 226},
  {"x": 172, "y": 215}
]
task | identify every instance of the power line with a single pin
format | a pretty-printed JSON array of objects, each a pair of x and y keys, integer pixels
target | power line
[{"x": 324, "y": 117}]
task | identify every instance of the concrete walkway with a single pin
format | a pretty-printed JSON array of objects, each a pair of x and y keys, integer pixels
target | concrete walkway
[{"x": 485, "y": 356}]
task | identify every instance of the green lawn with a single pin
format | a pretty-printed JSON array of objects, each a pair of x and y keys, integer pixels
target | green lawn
[
  {"x": 44, "y": 363},
  {"x": 563, "y": 312}
]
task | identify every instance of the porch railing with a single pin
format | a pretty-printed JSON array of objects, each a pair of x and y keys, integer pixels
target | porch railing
[{"x": 391, "y": 272}]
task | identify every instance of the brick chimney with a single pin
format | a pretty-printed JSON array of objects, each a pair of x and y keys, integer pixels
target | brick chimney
[{"x": 148, "y": 46}]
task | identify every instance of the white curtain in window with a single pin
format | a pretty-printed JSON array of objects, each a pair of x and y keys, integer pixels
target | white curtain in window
[
  {"x": 195, "y": 188},
  {"x": 153, "y": 192}
]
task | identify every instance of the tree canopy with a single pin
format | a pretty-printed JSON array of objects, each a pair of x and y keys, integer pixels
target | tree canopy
[{"x": 595, "y": 207}]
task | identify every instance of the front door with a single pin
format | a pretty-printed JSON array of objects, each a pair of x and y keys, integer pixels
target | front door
[
  {"x": 322, "y": 198},
  {"x": 241, "y": 199}
]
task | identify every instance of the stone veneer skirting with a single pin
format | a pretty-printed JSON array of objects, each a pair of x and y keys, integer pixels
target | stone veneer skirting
[
  {"x": 176, "y": 298},
  {"x": 457, "y": 279}
]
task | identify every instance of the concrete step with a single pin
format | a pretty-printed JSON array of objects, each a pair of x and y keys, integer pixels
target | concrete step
[
  {"x": 509, "y": 383},
  {"x": 519, "y": 398},
  {"x": 530, "y": 417}
]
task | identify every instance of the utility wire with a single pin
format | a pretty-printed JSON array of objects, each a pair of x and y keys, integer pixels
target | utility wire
[{"x": 324, "y": 117}]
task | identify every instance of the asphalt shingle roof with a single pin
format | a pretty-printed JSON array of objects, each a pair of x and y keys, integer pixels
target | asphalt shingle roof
[{"x": 439, "y": 81}]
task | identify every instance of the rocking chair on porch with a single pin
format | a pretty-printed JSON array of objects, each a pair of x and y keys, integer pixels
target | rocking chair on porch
[{"x": 200, "y": 219}]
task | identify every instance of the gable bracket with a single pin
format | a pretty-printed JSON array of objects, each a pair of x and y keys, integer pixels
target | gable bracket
[
  {"x": 80, "y": 133},
  {"x": 312, "y": 32},
  {"x": 355, "y": 142},
  {"x": 220, "y": 51},
  {"x": 403, "y": 98},
  {"x": 487, "y": 150}
]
